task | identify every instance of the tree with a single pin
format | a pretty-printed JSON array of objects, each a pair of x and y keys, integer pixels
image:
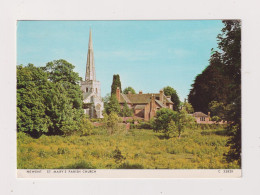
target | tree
[
  {"x": 127, "y": 89},
  {"x": 111, "y": 121},
  {"x": 116, "y": 83},
  {"x": 188, "y": 107},
  {"x": 183, "y": 121},
  {"x": 230, "y": 44},
  {"x": 126, "y": 111},
  {"x": 32, "y": 88},
  {"x": 210, "y": 85},
  {"x": 49, "y": 99},
  {"x": 169, "y": 91},
  {"x": 221, "y": 82},
  {"x": 163, "y": 118},
  {"x": 112, "y": 105}
]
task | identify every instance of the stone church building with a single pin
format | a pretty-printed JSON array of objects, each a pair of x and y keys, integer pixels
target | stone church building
[
  {"x": 92, "y": 101},
  {"x": 144, "y": 105}
]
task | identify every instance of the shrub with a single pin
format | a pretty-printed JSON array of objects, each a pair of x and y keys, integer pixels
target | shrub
[
  {"x": 111, "y": 122},
  {"x": 163, "y": 118},
  {"x": 86, "y": 127},
  {"x": 117, "y": 155}
]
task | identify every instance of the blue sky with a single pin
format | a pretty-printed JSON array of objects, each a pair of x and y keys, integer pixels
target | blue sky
[{"x": 148, "y": 55}]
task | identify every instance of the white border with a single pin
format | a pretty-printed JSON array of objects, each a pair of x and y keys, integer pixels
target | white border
[{"x": 248, "y": 11}]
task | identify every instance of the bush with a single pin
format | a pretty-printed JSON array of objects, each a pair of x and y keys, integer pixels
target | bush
[
  {"x": 163, "y": 118},
  {"x": 145, "y": 125},
  {"x": 86, "y": 127},
  {"x": 111, "y": 122},
  {"x": 117, "y": 155}
]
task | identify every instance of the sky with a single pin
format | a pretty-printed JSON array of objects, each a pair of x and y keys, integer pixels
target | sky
[{"x": 148, "y": 55}]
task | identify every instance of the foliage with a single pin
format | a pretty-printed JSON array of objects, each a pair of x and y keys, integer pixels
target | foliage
[
  {"x": 116, "y": 83},
  {"x": 169, "y": 91},
  {"x": 117, "y": 155},
  {"x": 112, "y": 105},
  {"x": 32, "y": 89},
  {"x": 111, "y": 122},
  {"x": 141, "y": 149},
  {"x": 49, "y": 99},
  {"x": 210, "y": 85},
  {"x": 184, "y": 121},
  {"x": 126, "y": 111},
  {"x": 188, "y": 107},
  {"x": 86, "y": 127},
  {"x": 221, "y": 82},
  {"x": 127, "y": 89},
  {"x": 163, "y": 118}
]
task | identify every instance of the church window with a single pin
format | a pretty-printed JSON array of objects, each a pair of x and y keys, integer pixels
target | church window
[
  {"x": 96, "y": 90},
  {"x": 86, "y": 89}
]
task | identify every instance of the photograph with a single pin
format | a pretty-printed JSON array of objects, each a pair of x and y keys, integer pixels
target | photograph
[{"x": 128, "y": 94}]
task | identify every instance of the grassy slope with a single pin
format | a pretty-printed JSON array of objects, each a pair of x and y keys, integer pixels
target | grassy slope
[{"x": 197, "y": 149}]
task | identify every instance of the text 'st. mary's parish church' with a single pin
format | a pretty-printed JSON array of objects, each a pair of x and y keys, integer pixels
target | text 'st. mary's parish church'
[{"x": 93, "y": 104}]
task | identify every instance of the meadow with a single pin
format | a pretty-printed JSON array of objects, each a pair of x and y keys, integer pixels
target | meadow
[{"x": 132, "y": 149}]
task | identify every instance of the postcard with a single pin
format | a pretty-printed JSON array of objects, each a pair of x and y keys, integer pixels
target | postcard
[{"x": 129, "y": 99}]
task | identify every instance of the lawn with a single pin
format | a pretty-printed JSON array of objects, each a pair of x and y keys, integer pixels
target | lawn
[{"x": 133, "y": 149}]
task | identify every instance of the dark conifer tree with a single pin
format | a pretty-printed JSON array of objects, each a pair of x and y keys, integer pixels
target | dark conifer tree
[{"x": 116, "y": 83}]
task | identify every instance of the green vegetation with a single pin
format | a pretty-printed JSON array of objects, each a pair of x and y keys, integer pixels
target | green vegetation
[
  {"x": 127, "y": 89},
  {"x": 169, "y": 91},
  {"x": 112, "y": 105},
  {"x": 218, "y": 87},
  {"x": 126, "y": 111},
  {"x": 49, "y": 99},
  {"x": 116, "y": 83},
  {"x": 133, "y": 149}
]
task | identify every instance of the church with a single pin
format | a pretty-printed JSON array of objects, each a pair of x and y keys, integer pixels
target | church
[{"x": 92, "y": 100}]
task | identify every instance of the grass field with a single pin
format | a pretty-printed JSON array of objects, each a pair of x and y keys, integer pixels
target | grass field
[{"x": 135, "y": 149}]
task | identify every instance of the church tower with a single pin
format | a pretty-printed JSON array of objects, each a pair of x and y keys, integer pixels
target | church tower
[{"x": 91, "y": 87}]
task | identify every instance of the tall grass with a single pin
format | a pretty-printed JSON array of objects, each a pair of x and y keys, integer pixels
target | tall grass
[{"x": 135, "y": 149}]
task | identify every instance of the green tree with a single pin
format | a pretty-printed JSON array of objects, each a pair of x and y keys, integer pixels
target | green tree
[
  {"x": 210, "y": 85},
  {"x": 163, "y": 118},
  {"x": 127, "y": 89},
  {"x": 116, "y": 83},
  {"x": 221, "y": 82},
  {"x": 111, "y": 121},
  {"x": 230, "y": 44},
  {"x": 49, "y": 99},
  {"x": 126, "y": 111},
  {"x": 32, "y": 89},
  {"x": 169, "y": 91},
  {"x": 188, "y": 107},
  {"x": 112, "y": 105},
  {"x": 184, "y": 121}
]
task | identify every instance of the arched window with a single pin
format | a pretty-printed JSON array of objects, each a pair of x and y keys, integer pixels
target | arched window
[
  {"x": 86, "y": 89},
  {"x": 96, "y": 90}
]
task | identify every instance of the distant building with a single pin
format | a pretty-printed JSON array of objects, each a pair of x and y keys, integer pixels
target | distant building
[
  {"x": 92, "y": 101},
  {"x": 202, "y": 118},
  {"x": 144, "y": 105}
]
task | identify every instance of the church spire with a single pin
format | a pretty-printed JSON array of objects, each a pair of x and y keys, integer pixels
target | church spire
[{"x": 90, "y": 67}]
